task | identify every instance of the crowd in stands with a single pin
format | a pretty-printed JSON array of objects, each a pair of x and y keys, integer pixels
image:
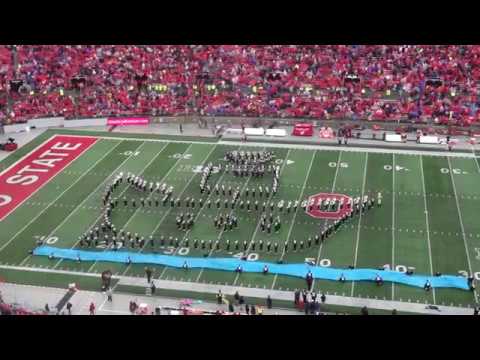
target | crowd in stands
[{"x": 374, "y": 82}]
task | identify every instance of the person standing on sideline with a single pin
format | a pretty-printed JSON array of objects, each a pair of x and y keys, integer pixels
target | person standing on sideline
[
  {"x": 69, "y": 308},
  {"x": 180, "y": 127},
  {"x": 153, "y": 288},
  {"x": 323, "y": 298},
  {"x": 92, "y": 308},
  {"x": 148, "y": 272},
  {"x": 269, "y": 302},
  {"x": 109, "y": 295}
]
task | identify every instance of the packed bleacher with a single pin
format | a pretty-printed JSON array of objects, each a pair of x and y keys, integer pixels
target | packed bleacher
[{"x": 376, "y": 82}]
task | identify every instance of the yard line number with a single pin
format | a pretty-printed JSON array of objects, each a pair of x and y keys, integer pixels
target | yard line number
[
  {"x": 49, "y": 240},
  {"x": 131, "y": 153},
  {"x": 333, "y": 164},
  {"x": 181, "y": 156},
  {"x": 476, "y": 275},
  {"x": 250, "y": 257},
  {"x": 170, "y": 250},
  {"x": 454, "y": 171},
  {"x": 322, "y": 262},
  {"x": 399, "y": 268}
]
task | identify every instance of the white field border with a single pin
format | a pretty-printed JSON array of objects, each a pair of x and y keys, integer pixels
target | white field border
[
  {"x": 52, "y": 177},
  {"x": 295, "y": 146}
]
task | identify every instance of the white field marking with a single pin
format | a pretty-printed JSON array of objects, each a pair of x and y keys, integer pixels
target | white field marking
[
  {"x": 428, "y": 226},
  {"x": 351, "y": 149},
  {"x": 170, "y": 209},
  {"x": 58, "y": 197},
  {"x": 164, "y": 177},
  {"x": 325, "y": 222},
  {"x": 121, "y": 193},
  {"x": 269, "y": 198},
  {"x": 295, "y": 215},
  {"x": 79, "y": 206},
  {"x": 258, "y": 222},
  {"x": 46, "y": 182},
  {"x": 127, "y": 187},
  {"x": 393, "y": 221},
  {"x": 359, "y": 222},
  {"x": 461, "y": 224},
  {"x": 221, "y": 232},
  {"x": 475, "y": 158},
  {"x": 296, "y": 146}
]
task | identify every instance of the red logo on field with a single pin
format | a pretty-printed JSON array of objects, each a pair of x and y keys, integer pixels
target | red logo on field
[
  {"x": 316, "y": 206},
  {"x": 24, "y": 178}
]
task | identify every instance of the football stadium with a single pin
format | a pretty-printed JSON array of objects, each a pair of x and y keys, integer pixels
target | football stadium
[{"x": 239, "y": 180}]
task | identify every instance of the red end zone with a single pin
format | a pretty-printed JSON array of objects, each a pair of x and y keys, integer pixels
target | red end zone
[
  {"x": 319, "y": 214},
  {"x": 29, "y": 174}
]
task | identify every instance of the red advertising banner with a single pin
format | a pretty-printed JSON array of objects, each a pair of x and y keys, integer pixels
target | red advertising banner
[
  {"x": 128, "y": 121},
  {"x": 21, "y": 180}
]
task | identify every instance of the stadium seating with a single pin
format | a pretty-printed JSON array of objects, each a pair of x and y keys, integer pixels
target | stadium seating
[{"x": 374, "y": 82}]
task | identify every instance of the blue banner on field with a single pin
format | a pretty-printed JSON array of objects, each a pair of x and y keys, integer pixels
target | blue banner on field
[{"x": 231, "y": 264}]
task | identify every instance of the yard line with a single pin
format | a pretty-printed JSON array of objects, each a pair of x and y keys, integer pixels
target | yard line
[
  {"x": 170, "y": 209},
  {"x": 83, "y": 201},
  {"x": 148, "y": 197},
  {"x": 221, "y": 232},
  {"x": 58, "y": 197},
  {"x": 100, "y": 216},
  {"x": 475, "y": 158},
  {"x": 296, "y": 212},
  {"x": 258, "y": 223},
  {"x": 393, "y": 220},
  {"x": 360, "y": 221},
  {"x": 427, "y": 223},
  {"x": 325, "y": 223},
  {"x": 461, "y": 224}
]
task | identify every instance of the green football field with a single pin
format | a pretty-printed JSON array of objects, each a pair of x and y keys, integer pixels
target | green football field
[{"x": 428, "y": 218}]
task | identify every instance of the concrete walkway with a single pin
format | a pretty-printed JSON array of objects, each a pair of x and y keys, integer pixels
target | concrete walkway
[
  {"x": 288, "y": 296},
  {"x": 34, "y": 298},
  {"x": 263, "y": 293}
]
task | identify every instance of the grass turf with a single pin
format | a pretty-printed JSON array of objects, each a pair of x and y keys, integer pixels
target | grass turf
[{"x": 420, "y": 194}]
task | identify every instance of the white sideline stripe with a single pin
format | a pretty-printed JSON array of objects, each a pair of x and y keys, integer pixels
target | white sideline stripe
[
  {"x": 461, "y": 224},
  {"x": 325, "y": 222},
  {"x": 428, "y": 226},
  {"x": 298, "y": 146},
  {"x": 296, "y": 212},
  {"x": 170, "y": 209},
  {"x": 58, "y": 197},
  {"x": 149, "y": 195},
  {"x": 359, "y": 222},
  {"x": 81, "y": 204},
  {"x": 50, "y": 179}
]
